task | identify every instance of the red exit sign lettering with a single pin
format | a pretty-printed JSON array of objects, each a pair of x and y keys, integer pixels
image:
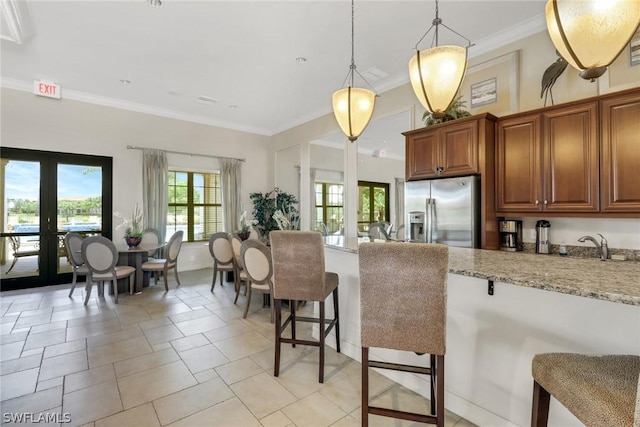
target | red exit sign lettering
[{"x": 48, "y": 89}]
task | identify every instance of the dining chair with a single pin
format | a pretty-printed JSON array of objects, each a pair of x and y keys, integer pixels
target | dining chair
[
  {"x": 170, "y": 262},
  {"x": 240, "y": 274},
  {"x": 17, "y": 253},
  {"x": 256, "y": 258},
  {"x": 222, "y": 253},
  {"x": 253, "y": 233},
  {"x": 151, "y": 236},
  {"x": 100, "y": 256},
  {"x": 73, "y": 245},
  {"x": 378, "y": 230},
  {"x": 598, "y": 390},
  {"x": 403, "y": 307},
  {"x": 299, "y": 275}
]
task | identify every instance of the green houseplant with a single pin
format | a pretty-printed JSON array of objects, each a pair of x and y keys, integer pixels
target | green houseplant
[
  {"x": 455, "y": 111},
  {"x": 274, "y": 210}
]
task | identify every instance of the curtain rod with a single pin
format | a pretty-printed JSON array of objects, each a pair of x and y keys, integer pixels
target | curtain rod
[{"x": 133, "y": 147}]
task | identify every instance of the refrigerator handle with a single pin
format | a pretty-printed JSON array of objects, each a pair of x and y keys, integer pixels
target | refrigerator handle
[
  {"x": 434, "y": 222},
  {"x": 429, "y": 221}
]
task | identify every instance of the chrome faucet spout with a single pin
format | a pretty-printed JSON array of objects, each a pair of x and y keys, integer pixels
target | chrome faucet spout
[{"x": 603, "y": 250}]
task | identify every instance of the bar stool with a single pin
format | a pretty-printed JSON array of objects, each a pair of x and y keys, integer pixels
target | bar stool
[
  {"x": 598, "y": 390},
  {"x": 299, "y": 275},
  {"x": 403, "y": 306}
]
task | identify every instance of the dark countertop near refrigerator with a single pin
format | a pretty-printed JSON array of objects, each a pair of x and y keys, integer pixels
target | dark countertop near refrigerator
[{"x": 616, "y": 281}]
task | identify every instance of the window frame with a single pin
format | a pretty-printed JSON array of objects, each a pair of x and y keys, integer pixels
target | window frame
[
  {"x": 364, "y": 225},
  {"x": 325, "y": 206}
]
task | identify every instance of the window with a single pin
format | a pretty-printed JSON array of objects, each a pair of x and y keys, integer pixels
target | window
[
  {"x": 373, "y": 203},
  {"x": 195, "y": 205},
  {"x": 329, "y": 206}
]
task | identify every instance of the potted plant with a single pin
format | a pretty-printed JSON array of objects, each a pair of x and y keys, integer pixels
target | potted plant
[
  {"x": 455, "y": 111},
  {"x": 245, "y": 228},
  {"x": 274, "y": 210},
  {"x": 133, "y": 227}
]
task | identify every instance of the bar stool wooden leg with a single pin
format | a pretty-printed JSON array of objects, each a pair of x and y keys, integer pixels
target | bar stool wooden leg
[
  {"x": 365, "y": 387},
  {"x": 440, "y": 390},
  {"x": 276, "y": 364},
  {"x": 540, "y": 409},
  {"x": 322, "y": 335},
  {"x": 336, "y": 316},
  {"x": 432, "y": 358},
  {"x": 292, "y": 305}
]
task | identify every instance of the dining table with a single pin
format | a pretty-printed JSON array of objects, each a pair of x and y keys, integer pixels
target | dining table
[{"x": 135, "y": 257}]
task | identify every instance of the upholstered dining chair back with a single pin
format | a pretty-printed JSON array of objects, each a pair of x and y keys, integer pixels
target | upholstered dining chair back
[
  {"x": 256, "y": 258},
  {"x": 403, "y": 296},
  {"x": 298, "y": 266},
  {"x": 100, "y": 254},
  {"x": 236, "y": 244},
  {"x": 220, "y": 248},
  {"x": 173, "y": 247},
  {"x": 151, "y": 236},
  {"x": 73, "y": 245}
]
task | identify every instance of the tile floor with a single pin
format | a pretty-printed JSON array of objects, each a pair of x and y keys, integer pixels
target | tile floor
[{"x": 182, "y": 358}]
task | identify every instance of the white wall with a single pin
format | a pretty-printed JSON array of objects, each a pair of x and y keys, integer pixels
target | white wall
[{"x": 70, "y": 126}]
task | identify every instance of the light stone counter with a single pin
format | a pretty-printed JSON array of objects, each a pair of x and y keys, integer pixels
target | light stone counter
[{"x": 616, "y": 281}]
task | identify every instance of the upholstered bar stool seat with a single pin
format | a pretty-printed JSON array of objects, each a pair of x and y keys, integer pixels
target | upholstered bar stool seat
[
  {"x": 403, "y": 306},
  {"x": 598, "y": 390},
  {"x": 299, "y": 275}
]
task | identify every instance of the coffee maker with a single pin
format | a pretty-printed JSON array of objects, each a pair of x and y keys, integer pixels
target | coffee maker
[{"x": 511, "y": 235}]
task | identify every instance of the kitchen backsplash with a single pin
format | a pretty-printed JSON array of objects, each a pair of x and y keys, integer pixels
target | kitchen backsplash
[{"x": 585, "y": 251}]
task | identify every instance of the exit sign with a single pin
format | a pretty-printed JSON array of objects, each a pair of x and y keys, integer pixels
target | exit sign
[{"x": 48, "y": 89}]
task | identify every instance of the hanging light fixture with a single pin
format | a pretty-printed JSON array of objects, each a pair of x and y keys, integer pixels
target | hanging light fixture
[
  {"x": 352, "y": 106},
  {"x": 436, "y": 73},
  {"x": 590, "y": 34}
]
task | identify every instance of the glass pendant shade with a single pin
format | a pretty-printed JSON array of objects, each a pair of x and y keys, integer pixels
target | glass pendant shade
[
  {"x": 590, "y": 34},
  {"x": 353, "y": 108},
  {"x": 436, "y": 75}
]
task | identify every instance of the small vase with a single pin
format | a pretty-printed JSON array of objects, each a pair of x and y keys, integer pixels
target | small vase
[
  {"x": 133, "y": 241},
  {"x": 244, "y": 235}
]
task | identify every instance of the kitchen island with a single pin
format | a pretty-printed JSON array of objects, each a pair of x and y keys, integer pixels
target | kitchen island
[{"x": 535, "y": 304}]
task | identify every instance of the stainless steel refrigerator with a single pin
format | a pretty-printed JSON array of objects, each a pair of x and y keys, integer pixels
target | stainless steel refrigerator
[{"x": 443, "y": 211}]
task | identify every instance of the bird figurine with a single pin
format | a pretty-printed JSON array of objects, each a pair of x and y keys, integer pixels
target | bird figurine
[{"x": 550, "y": 76}]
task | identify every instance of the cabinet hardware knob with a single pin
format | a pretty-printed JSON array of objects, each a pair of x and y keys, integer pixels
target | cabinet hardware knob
[
  {"x": 439, "y": 170},
  {"x": 537, "y": 202},
  {"x": 545, "y": 203}
]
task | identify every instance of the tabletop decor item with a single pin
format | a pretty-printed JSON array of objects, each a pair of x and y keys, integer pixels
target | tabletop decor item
[
  {"x": 455, "y": 111},
  {"x": 245, "y": 227},
  {"x": 133, "y": 227}
]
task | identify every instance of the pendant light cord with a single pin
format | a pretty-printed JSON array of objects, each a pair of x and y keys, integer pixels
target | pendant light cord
[
  {"x": 436, "y": 23},
  {"x": 353, "y": 61}
]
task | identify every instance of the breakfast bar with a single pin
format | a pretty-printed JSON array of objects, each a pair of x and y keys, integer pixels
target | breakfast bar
[{"x": 502, "y": 309}]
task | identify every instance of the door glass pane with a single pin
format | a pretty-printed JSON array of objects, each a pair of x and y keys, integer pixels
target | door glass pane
[{"x": 20, "y": 251}]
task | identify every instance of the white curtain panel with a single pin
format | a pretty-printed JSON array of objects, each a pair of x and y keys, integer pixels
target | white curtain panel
[
  {"x": 230, "y": 178},
  {"x": 399, "y": 202},
  {"x": 155, "y": 188}
]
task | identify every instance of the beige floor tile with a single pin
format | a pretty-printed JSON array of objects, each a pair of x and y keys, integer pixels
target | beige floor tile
[
  {"x": 154, "y": 323},
  {"x": 277, "y": 419},
  {"x": 40, "y": 311},
  {"x": 6, "y": 328},
  {"x": 189, "y": 401},
  {"x": 98, "y": 340},
  {"x": 314, "y": 410},
  {"x": 187, "y": 343},
  {"x": 36, "y": 402},
  {"x": 143, "y": 416},
  {"x": 54, "y": 382},
  {"x": 203, "y": 324},
  {"x": 196, "y": 301},
  {"x": 18, "y": 306},
  {"x": 288, "y": 355},
  {"x": 77, "y": 313},
  {"x": 11, "y": 351},
  {"x": 346, "y": 392},
  {"x": 63, "y": 365},
  {"x": 347, "y": 421},
  {"x": 262, "y": 394},
  {"x": 189, "y": 315},
  {"x": 230, "y": 413},
  {"x": 92, "y": 403},
  {"x": 162, "y": 334},
  {"x": 241, "y": 346},
  {"x": 89, "y": 378},
  {"x": 161, "y": 346},
  {"x": 34, "y": 352},
  {"x": 144, "y": 362},
  {"x": 233, "y": 329},
  {"x": 205, "y": 376},
  {"x": 91, "y": 329},
  {"x": 14, "y": 337},
  {"x": 64, "y": 348},
  {"x": 201, "y": 358},
  {"x": 168, "y": 310},
  {"x": 238, "y": 370},
  {"x": 91, "y": 316},
  {"x": 154, "y": 383},
  {"x": 20, "y": 364},
  {"x": 49, "y": 327},
  {"x": 137, "y": 315},
  {"x": 18, "y": 384},
  {"x": 120, "y": 350}
]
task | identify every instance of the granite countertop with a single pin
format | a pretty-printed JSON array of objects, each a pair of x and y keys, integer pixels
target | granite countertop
[{"x": 616, "y": 281}]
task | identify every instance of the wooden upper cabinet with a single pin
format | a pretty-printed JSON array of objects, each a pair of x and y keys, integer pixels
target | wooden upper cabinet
[
  {"x": 518, "y": 168},
  {"x": 571, "y": 159},
  {"x": 448, "y": 149},
  {"x": 620, "y": 136}
]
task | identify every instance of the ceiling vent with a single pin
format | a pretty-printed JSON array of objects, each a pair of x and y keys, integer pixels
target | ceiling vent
[
  {"x": 206, "y": 100},
  {"x": 373, "y": 74}
]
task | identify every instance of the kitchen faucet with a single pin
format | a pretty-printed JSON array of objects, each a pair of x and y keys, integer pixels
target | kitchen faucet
[{"x": 602, "y": 247}]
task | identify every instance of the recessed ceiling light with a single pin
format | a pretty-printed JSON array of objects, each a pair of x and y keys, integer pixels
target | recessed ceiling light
[
  {"x": 174, "y": 93},
  {"x": 156, "y": 3},
  {"x": 125, "y": 81},
  {"x": 233, "y": 106},
  {"x": 301, "y": 59},
  {"x": 206, "y": 100}
]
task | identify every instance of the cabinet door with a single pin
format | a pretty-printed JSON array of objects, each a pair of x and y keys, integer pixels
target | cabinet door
[
  {"x": 621, "y": 153},
  {"x": 459, "y": 149},
  {"x": 571, "y": 159},
  {"x": 518, "y": 177},
  {"x": 422, "y": 155}
]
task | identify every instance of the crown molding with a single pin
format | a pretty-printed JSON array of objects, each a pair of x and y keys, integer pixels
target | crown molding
[{"x": 139, "y": 108}]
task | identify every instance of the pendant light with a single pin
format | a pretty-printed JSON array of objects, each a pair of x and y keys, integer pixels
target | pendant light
[
  {"x": 436, "y": 73},
  {"x": 352, "y": 106},
  {"x": 590, "y": 34}
]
